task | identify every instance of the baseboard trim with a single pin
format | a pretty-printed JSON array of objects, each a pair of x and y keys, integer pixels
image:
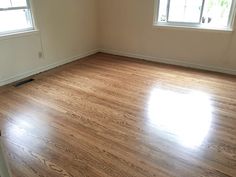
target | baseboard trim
[
  {"x": 115, "y": 52},
  {"x": 169, "y": 61},
  {"x": 46, "y": 68}
]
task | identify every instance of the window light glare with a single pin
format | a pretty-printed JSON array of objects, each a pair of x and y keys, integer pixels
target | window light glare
[
  {"x": 15, "y": 15},
  {"x": 214, "y": 14}
]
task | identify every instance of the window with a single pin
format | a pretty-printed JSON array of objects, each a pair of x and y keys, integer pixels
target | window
[
  {"x": 15, "y": 16},
  {"x": 211, "y": 14}
]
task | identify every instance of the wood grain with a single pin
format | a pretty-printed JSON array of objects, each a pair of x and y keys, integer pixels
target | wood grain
[{"x": 112, "y": 116}]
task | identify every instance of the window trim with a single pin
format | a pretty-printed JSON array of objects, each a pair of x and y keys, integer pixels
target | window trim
[
  {"x": 19, "y": 34},
  {"x": 230, "y": 27},
  {"x": 24, "y": 30},
  {"x": 14, "y": 8}
]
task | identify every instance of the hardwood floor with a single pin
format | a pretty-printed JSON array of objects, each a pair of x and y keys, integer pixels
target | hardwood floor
[{"x": 113, "y": 116}]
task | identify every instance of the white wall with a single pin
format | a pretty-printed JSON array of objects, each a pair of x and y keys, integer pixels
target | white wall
[
  {"x": 67, "y": 31},
  {"x": 126, "y": 28},
  {"x": 70, "y": 29}
]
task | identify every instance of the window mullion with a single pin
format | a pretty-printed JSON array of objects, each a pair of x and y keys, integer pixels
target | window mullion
[
  {"x": 11, "y": 3},
  {"x": 28, "y": 3},
  {"x": 232, "y": 13},
  {"x": 168, "y": 11},
  {"x": 202, "y": 10}
]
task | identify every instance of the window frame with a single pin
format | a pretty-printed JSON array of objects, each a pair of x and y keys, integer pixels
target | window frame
[
  {"x": 230, "y": 24},
  {"x": 29, "y": 29}
]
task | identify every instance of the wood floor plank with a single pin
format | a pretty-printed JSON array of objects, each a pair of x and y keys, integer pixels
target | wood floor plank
[{"x": 111, "y": 116}]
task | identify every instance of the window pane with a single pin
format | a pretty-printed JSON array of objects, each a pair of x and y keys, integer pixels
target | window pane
[
  {"x": 188, "y": 11},
  {"x": 12, "y": 3},
  {"x": 5, "y": 3},
  {"x": 15, "y": 20},
  {"x": 216, "y": 13},
  {"x": 18, "y": 3},
  {"x": 162, "y": 11}
]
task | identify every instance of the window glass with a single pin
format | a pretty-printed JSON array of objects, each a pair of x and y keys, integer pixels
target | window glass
[
  {"x": 5, "y": 3},
  {"x": 216, "y": 12},
  {"x": 15, "y": 15},
  {"x": 162, "y": 11},
  {"x": 15, "y": 20},
  {"x": 18, "y": 3},
  {"x": 188, "y": 11}
]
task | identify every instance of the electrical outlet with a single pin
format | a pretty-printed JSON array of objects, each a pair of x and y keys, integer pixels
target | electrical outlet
[{"x": 40, "y": 54}]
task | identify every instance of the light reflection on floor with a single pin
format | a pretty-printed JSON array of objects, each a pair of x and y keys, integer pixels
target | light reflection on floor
[
  {"x": 187, "y": 116},
  {"x": 19, "y": 128},
  {"x": 21, "y": 125}
]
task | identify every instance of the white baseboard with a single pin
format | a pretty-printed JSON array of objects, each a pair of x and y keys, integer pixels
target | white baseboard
[
  {"x": 170, "y": 61},
  {"x": 45, "y": 68},
  {"x": 114, "y": 52}
]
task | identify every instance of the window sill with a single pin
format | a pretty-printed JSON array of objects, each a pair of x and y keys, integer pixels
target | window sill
[
  {"x": 179, "y": 27},
  {"x": 18, "y": 34}
]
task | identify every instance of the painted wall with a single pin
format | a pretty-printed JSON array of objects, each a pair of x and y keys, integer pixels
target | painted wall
[
  {"x": 71, "y": 29},
  {"x": 67, "y": 31},
  {"x": 126, "y": 28}
]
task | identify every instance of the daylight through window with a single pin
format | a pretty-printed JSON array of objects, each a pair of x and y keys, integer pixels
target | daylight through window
[
  {"x": 15, "y": 16},
  {"x": 216, "y": 14}
]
